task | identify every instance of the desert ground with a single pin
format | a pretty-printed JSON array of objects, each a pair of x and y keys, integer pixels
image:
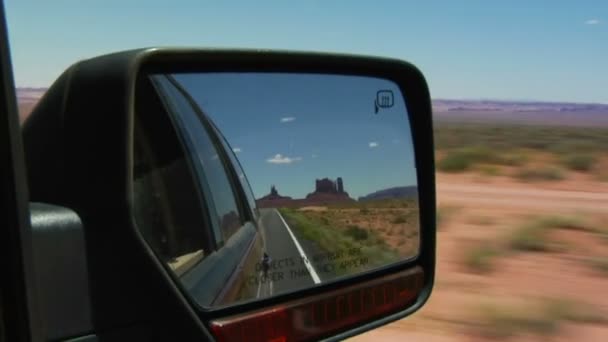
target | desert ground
[
  {"x": 394, "y": 222},
  {"x": 522, "y": 256},
  {"x": 382, "y": 231}
]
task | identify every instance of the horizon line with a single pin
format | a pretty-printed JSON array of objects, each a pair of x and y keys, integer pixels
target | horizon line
[{"x": 470, "y": 99}]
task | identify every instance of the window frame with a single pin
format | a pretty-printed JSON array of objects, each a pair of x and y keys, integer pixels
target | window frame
[
  {"x": 20, "y": 319},
  {"x": 246, "y": 214},
  {"x": 190, "y": 280},
  {"x": 141, "y": 136},
  {"x": 216, "y": 138},
  {"x": 252, "y": 211}
]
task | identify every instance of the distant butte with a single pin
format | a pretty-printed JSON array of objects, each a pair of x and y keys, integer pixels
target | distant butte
[
  {"x": 274, "y": 195},
  {"x": 326, "y": 192}
]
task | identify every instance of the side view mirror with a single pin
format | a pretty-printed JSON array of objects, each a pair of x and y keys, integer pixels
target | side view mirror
[{"x": 242, "y": 195}]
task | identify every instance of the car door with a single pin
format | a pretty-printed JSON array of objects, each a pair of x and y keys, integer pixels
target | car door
[{"x": 191, "y": 198}]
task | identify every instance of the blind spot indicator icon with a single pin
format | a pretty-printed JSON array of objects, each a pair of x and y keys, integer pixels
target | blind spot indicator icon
[{"x": 384, "y": 99}]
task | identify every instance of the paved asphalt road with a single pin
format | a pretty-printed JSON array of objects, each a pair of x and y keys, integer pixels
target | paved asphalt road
[{"x": 289, "y": 270}]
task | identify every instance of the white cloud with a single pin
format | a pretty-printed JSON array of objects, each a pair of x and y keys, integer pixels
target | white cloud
[
  {"x": 373, "y": 144},
  {"x": 237, "y": 150},
  {"x": 281, "y": 159},
  {"x": 592, "y": 22},
  {"x": 288, "y": 119}
]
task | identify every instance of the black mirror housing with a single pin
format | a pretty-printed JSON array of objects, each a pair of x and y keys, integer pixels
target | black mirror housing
[{"x": 79, "y": 155}]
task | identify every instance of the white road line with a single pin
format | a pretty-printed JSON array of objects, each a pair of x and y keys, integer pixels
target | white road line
[{"x": 311, "y": 270}]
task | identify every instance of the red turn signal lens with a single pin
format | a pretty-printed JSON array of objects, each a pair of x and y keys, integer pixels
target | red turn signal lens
[{"x": 325, "y": 314}]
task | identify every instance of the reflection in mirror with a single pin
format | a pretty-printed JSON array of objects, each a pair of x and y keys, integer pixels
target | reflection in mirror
[{"x": 295, "y": 180}]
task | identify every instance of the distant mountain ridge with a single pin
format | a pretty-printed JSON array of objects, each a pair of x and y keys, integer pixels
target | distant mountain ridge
[
  {"x": 439, "y": 105},
  {"x": 29, "y": 94},
  {"x": 396, "y": 192},
  {"x": 528, "y": 112}
]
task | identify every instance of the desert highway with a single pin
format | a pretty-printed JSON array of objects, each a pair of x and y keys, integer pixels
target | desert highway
[{"x": 289, "y": 270}]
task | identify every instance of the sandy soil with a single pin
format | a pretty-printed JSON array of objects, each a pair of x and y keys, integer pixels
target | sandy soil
[
  {"x": 313, "y": 208},
  {"x": 472, "y": 195},
  {"x": 487, "y": 211}
]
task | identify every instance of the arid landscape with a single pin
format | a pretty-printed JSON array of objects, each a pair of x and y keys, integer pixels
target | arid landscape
[
  {"x": 514, "y": 263},
  {"x": 385, "y": 231},
  {"x": 383, "y": 226},
  {"x": 522, "y": 225},
  {"x": 522, "y": 234}
]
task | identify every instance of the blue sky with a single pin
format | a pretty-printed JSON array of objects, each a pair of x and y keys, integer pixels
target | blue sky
[
  {"x": 553, "y": 50},
  {"x": 289, "y": 130}
]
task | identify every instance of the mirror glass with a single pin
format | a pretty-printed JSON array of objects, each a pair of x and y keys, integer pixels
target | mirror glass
[{"x": 249, "y": 185}]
